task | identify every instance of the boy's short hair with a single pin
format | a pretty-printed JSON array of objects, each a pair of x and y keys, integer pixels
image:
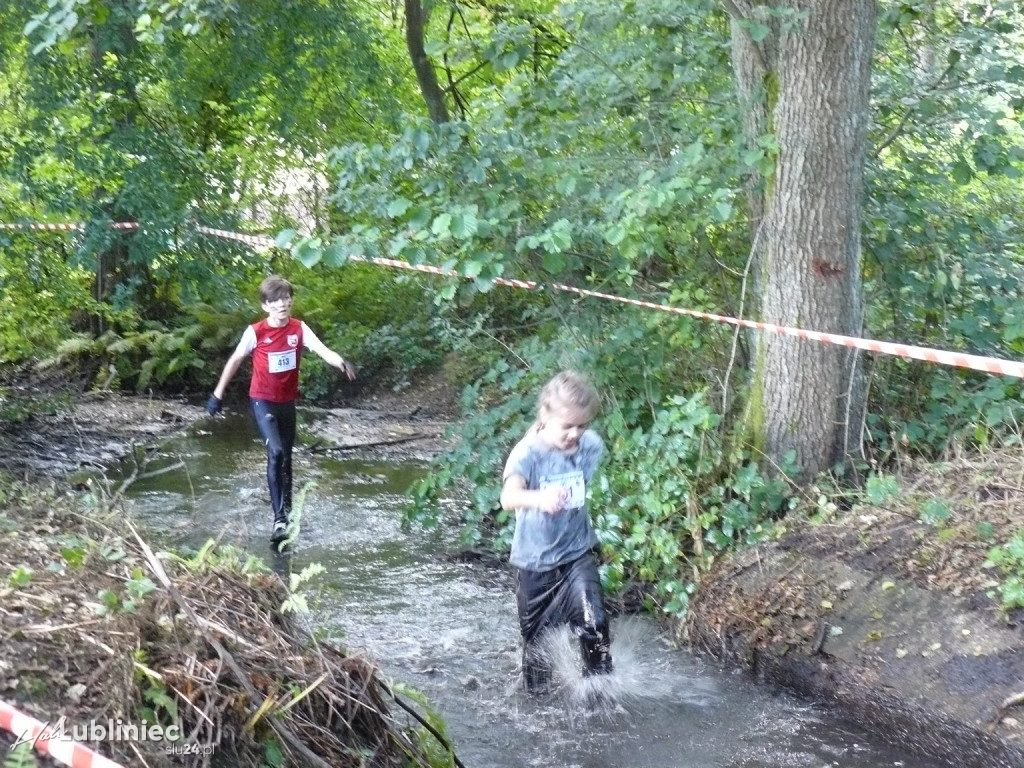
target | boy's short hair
[{"x": 275, "y": 287}]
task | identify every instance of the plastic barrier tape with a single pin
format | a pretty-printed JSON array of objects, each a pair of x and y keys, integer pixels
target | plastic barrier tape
[
  {"x": 907, "y": 351},
  {"x": 65, "y": 751}
]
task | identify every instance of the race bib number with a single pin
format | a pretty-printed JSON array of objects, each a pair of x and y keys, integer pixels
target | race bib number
[
  {"x": 279, "y": 362},
  {"x": 573, "y": 483}
]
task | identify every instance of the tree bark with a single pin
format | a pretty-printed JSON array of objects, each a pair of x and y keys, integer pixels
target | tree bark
[
  {"x": 415, "y": 32},
  {"x": 809, "y": 396},
  {"x": 754, "y": 65}
]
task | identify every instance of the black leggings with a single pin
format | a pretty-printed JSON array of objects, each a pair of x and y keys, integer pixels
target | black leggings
[
  {"x": 568, "y": 594},
  {"x": 276, "y": 422}
]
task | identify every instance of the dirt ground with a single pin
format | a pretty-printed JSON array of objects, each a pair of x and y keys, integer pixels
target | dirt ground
[
  {"x": 889, "y": 611},
  {"x": 99, "y": 428}
]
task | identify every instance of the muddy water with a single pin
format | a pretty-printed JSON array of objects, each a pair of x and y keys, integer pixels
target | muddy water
[{"x": 434, "y": 625}]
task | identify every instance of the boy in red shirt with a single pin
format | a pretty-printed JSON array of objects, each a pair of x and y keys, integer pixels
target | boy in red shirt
[{"x": 275, "y": 345}]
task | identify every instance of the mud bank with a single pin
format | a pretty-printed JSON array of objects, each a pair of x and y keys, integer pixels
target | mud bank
[
  {"x": 98, "y": 430},
  {"x": 891, "y": 618}
]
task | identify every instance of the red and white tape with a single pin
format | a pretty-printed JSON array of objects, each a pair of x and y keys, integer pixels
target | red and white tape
[
  {"x": 64, "y": 227},
  {"x": 65, "y": 751},
  {"x": 907, "y": 351}
]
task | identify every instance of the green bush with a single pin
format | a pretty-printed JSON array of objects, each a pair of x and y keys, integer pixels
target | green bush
[
  {"x": 670, "y": 492},
  {"x": 1008, "y": 560}
]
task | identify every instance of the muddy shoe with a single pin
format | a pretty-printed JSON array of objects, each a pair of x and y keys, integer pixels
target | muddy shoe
[
  {"x": 280, "y": 532},
  {"x": 599, "y": 666}
]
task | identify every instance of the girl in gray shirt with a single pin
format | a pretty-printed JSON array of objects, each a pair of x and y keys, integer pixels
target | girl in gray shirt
[{"x": 554, "y": 545}]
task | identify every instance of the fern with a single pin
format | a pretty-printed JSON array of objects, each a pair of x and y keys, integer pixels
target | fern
[
  {"x": 21, "y": 757},
  {"x": 76, "y": 345}
]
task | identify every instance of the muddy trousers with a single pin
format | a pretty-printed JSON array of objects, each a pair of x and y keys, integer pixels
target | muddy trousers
[
  {"x": 568, "y": 594},
  {"x": 276, "y": 422}
]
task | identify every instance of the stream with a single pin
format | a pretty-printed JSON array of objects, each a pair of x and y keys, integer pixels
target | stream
[{"x": 449, "y": 629}]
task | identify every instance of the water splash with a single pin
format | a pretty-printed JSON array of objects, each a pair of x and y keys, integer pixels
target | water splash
[{"x": 641, "y": 673}]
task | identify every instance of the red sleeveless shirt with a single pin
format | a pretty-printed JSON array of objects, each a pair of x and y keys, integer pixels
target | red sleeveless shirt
[{"x": 275, "y": 361}]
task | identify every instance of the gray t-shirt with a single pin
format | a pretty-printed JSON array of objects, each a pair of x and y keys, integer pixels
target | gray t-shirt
[{"x": 543, "y": 541}]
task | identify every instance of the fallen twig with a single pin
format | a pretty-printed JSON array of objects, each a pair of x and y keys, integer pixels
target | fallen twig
[{"x": 1008, "y": 702}]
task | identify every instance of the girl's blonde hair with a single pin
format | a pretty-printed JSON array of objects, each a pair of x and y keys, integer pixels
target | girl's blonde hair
[{"x": 568, "y": 389}]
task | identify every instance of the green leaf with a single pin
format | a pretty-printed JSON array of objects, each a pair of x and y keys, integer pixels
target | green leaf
[
  {"x": 273, "y": 754},
  {"x": 559, "y": 237},
  {"x": 336, "y": 254},
  {"x": 935, "y": 511},
  {"x": 420, "y": 217},
  {"x": 464, "y": 225},
  {"x": 442, "y": 225},
  {"x": 566, "y": 185},
  {"x": 398, "y": 206},
  {"x": 753, "y": 156},
  {"x": 880, "y": 488},
  {"x": 615, "y": 235},
  {"x": 308, "y": 251},
  {"x": 508, "y": 60},
  {"x": 554, "y": 262},
  {"x": 284, "y": 238},
  {"x": 962, "y": 172}
]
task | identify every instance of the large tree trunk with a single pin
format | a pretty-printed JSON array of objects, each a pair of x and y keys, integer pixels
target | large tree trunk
[
  {"x": 754, "y": 64},
  {"x": 808, "y": 398},
  {"x": 415, "y": 32}
]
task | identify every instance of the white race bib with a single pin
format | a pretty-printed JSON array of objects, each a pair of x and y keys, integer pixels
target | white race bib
[
  {"x": 573, "y": 483},
  {"x": 279, "y": 362}
]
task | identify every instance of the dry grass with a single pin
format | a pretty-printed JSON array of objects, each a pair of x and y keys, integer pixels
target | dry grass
[{"x": 95, "y": 626}]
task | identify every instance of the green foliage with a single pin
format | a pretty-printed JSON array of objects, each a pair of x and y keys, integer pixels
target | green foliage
[
  {"x": 296, "y": 602},
  {"x": 164, "y": 114},
  {"x": 21, "y": 757},
  {"x": 672, "y": 496},
  {"x": 880, "y": 488},
  {"x": 273, "y": 753},
  {"x": 496, "y": 407},
  {"x": 214, "y": 555},
  {"x": 571, "y": 169},
  {"x": 157, "y": 705},
  {"x": 935, "y": 511},
  {"x": 39, "y": 292},
  {"x": 381, "y": 320},
  {"x": 1008, "y": 559},
  {"x": 671, "y": 491},
  {"x": 20, "y": 577},
  {"x": 942, "y": 239},
  {"x": 135, "y": 589},
  {"x": 153, "y": 357},
  {"x": 434, "y": 752}
]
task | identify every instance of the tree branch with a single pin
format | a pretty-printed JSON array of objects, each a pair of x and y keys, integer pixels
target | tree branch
[
  {"x": 734, "y": 11},
  {"x": 895, "y": 132},
  {"x": 426, "y": 77}
]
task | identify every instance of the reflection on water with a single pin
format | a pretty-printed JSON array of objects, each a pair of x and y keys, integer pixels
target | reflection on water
[{"x": 430, "y": 624}]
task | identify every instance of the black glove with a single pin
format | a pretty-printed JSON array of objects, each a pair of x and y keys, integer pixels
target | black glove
[{"x": 213, "y": 405}]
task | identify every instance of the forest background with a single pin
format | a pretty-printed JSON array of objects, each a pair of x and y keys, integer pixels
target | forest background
[{"x": 834, "y": 165}]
